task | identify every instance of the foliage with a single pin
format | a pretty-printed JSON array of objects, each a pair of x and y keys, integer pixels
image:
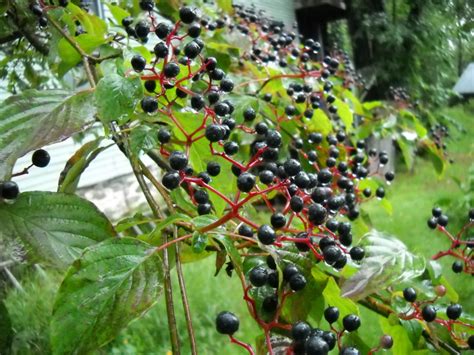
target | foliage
[{"x": 247, "y": 96}]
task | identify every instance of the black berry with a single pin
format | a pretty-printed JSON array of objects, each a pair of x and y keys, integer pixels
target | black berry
[
  {"x": 454, "y": 311},
  {"x": 331, "y": 314},
  {"x": 409, "y": 294},
  {"x": 40, "y": 158},
  {"x": 227, "y": 323},
  {"x": 171, "y": 180},
  {"x": 351, "y": 322},
  {"x": 138, "y": 63},
  {"x": 9, "y": 190},
  {"x": 246, "y": 182},
  {"x": 266, "y": 235},
  {"x": 258, "y": 276}
]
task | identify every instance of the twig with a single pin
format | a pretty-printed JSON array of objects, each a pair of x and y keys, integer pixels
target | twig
[
  {"x": 184, "y": 295},
  {"x": 13, "y": 280}
]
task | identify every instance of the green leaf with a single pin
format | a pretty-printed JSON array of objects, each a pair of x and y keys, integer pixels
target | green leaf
[
  {"x": 332, "y": 296},
  {"x": 77, "y": 164},
  {"x": 34, "y": 119},
  {"x": 116, "y": 97},
  {"x": 388, "y": 261},
  {"x": 56, "y": 226},
  {"x": 345, "y": 113},
  {"x": 387, "y": 206},
  {"x": 450, "y": 291},
  {"x": 356, "y": 104},
  {"x": 307, "y": 301},
  {"x": 320, "y": 122},
  {"x": 92, "y": 24},
  {"x": 6, "y": 329},
  {"x": 168, "y": 8},
  {"x": 436, "y": 156},
  {"x": 111, "y": 284},
  {"x": 199, "y": 242},
  {"x": 408, "y": 152},
  {"x": 370, "y": 105},
  {"x": 225, "y": 5},
  {"x": 118, "y": 13},
  {"x": 223, "y": 52},
  {"x": 413, "y": 329},
  {"x": 70, "y": 56},
  {"x": 401, "y": 341},
  {"x": 231, "y": 250},
  {"x": 143, "y": 139}
]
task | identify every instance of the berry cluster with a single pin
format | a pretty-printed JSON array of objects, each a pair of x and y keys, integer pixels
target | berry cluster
[
  {"x": 38, "y": 10},
  {"x": 460, "y": 248},
  {"x": 427, "y": 311},
  {"x": 306, "y": 185},
  {"x": 9, "y": 189}
]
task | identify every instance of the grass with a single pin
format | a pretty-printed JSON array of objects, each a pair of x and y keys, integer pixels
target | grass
[{"x": 412, "y": 197}]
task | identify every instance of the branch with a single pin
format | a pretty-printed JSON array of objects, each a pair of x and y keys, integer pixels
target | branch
[{"x": 23, "y": 30}]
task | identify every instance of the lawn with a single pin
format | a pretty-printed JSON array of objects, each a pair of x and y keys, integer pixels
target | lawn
[{"x": 412, "y": 196}]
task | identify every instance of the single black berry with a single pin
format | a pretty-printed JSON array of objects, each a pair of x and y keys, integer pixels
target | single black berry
[
  {"x": 215, "y": 132},
  {"x": 470, "y": 342},
  {"x": 246, "y": 182},
  {"x": 428, "y": 313},
  {"x": 330, "y": 339},
  {"x": 142, "y": 29},
  {"x": 192, "y": 49},
  {"x": 197, "y": 102},
  {"x": 138, "y": 63},
  {"x": 146, "y": 5},
  {"x": 149, "y": 104},
  {"x": 273, "y": 139},
  {"x": 296, "y": 204},
  {"x": 278, "y": 220},
  {"x": 213, "y": 168},
  {"x": 300, "y": 331},
  {"x": 204, "y": 208},
  {"x": 187, "y": 15},
  {"x": 350, "y": 350},
  {"x": 266, "y": 235},
  {"x": 409, "y": 294},
  {"x": 9, "y": 190},
  {"x": 380, "y": 192},
  {"x": 315, "y": 345},
  {"x": 331, "y": 314},
  {"x": 201, "y": 196},
  {"x": 266, "y": 177},
  {"x": 162, "y": 30},
  {"x": 317, "y": 214},
  {"x": 150, "y": 85},
  {"x": 40, "y": 158},
  {"x": 443, "y": 220},
  {"x": 231, "y": 148},
  {"x": 227, "y": 323},
  {"x": 457, "y": 267},
  {"x": 454, "y": 311},
  {"x": 351, "y": 322},
  {"x": 249, "y": 114},
  {"x": 171, "y": 70},
  {"x": 432, "y": 222},
  {"x": 270, "y": 303},
  {"x": 258, "y": 276},
  {"x": 178, "y": 160},
  {"x": 171, "y": 180},
  {"x": 161, "y": 50},
  {"x": 245, "y": 231},
  {"x": 227, "y": 85}
]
